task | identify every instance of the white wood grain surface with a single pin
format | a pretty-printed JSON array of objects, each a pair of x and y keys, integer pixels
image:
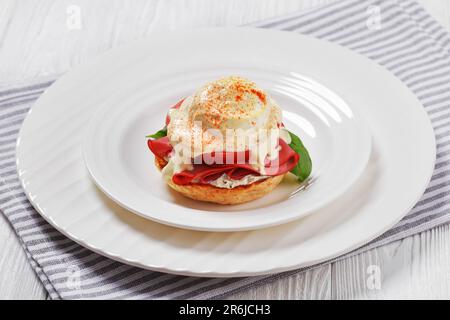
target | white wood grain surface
[{"x": 35, "y": 40}]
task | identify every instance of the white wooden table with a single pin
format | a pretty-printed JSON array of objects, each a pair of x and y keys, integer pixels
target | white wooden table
[{"x": 44, "y": 37}]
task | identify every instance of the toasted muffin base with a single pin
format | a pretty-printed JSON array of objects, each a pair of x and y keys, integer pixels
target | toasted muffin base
[{"x": 210, "y": 193}]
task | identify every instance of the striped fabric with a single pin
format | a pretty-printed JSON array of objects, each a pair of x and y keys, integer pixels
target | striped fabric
[{"x": 408, "y": 42}]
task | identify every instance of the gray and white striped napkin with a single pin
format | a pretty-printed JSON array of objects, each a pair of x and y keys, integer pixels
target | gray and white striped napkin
[{"x": 397, "y": 34}]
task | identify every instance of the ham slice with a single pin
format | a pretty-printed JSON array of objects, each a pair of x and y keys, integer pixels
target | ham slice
[{"x": 204, "y": 173}]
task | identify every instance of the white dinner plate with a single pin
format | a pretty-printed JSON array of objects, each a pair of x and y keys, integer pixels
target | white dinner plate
[
  {"x": 52, "y": 171},
  {"x": 117, "y": 156}
]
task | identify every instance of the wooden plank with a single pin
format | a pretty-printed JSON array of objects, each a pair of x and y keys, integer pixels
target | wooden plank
[{"x": 38, "y": 38}]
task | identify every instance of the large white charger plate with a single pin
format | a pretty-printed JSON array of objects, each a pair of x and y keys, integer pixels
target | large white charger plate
[
  {"x": 52, "y": 171},
  {"x": 118, "y": 159}
]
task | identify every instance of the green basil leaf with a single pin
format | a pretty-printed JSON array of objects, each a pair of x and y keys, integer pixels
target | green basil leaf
[
  {"x": 161, "y": 133},
  {"x": 304, "y": 166}
]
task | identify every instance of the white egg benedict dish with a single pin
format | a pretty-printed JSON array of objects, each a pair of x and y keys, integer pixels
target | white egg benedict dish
[{"x": 226, "y": 143}]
